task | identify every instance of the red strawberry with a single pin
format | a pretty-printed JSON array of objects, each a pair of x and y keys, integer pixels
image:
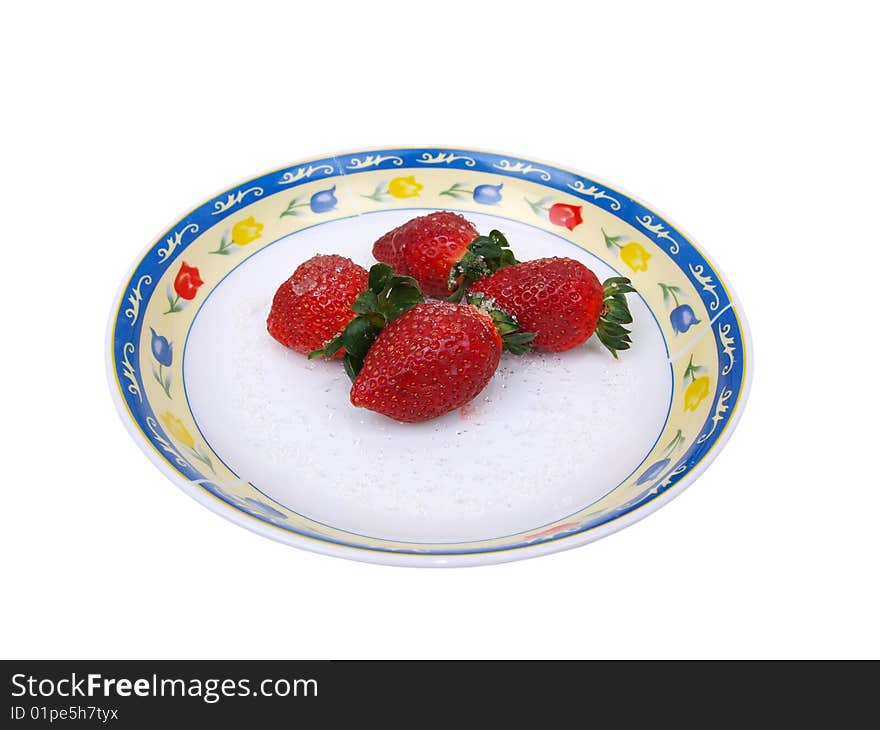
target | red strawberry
[
  {"x": 443, "y": 252},
  {"x": 413, "y": 360},
  {"x": 388, "y": 249},
  {"x": 387, "y": 296},
  {"x": 561, "y": 301},
  {"x": 432, "y": 359},
  {"x": 314, "y": 305},
  {"x": 431, "y": 245}
]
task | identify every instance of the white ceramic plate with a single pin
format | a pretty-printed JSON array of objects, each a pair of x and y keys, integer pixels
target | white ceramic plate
[{"x": 557, "y": 451}]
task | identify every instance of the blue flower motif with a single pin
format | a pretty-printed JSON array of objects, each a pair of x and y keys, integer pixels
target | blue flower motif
[
  {"x": 653, "y": 471},
  {"x": 323, "y": 200},
  {"x": 488, "y": 194},
  {"x": 212, "y": 488},
  {"x": 161, "y": 349},
  {"x": 262, "y": 509},
  {"x": 254, "y": 507},
  {"x": 683, "y": 318}
]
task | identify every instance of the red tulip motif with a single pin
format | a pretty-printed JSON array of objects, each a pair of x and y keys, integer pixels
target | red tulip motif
[
  {"x": 560, "y": 214},
  {"x": 187, "y": 281},
  {"x": 186, "y": 286},
  {"x": 568, "y": 216}
]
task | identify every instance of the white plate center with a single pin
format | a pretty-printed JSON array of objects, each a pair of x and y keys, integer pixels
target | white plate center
[{"x": 550, "y": 434}]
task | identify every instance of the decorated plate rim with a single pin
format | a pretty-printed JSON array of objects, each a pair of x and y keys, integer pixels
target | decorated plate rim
[{"x": 428, "y": 559}]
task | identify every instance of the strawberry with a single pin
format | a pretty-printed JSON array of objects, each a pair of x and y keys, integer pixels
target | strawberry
[
  {"x": 314, "y": 304},
  {"x": 413, "y": 360},
  {"x": 443, "y": 252},
  {"x": 387, "y": 296},
  {"x": 385, "y": 250},
  {"x": 433, "y": 359},
  {"x": 561, "y": 301}
]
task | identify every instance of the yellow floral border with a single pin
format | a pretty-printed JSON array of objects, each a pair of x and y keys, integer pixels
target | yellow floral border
[{"x": 260, "y": 223}]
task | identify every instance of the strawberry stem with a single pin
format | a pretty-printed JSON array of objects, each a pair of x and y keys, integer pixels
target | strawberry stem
[
  {"x": 512, "y": 340},
  {"x": 387, "y": 297},
  {"x": 484, "y": 256},
  {"x": 615, "y": 314}
]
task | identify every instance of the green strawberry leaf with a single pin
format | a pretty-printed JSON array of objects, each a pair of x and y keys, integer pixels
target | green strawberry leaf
[
  {"x": 504, "y": 323},
  {"x": 366, "y": 302},
  {"x": 379, "y": 275},
  {"x": 357, "y": 337},
  {"x": 512, "y": 340},
  {"x": 484, "y": 256},
  {"x": 615, "y": 314},
  {"x": 617, "y": 311},
  {"x": 518, "y": 343},
  {"x": 389, "y": 295},
  {"x": 329, "y": 350},
  {"x": 352, "y": 366},
  {"x": 403, "y": 294}
]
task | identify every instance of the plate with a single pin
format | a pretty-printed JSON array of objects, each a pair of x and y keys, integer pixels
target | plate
[{"x": 560, "y": 448}]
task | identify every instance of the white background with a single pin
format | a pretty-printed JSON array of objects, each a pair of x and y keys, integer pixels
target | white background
[{"x": 754, "y": 126}]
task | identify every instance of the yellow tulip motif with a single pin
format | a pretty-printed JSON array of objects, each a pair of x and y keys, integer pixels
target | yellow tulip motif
[
  {"x": 400, "y": 187},
  {"x": 635, "y": 256},
  {"x": 632, "y": 253},
  {"x": 695, "y": 393},
  {"x": 246, "y": 231},
  {"x": 177, "y": 429},
  {"x": 698, "y": 388},
  {"x": 404, "y": 187}
]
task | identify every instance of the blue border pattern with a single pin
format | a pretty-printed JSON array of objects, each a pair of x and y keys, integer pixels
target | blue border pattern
[{"x": 729, "y": 337}]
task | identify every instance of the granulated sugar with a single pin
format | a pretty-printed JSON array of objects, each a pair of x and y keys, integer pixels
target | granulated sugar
[
  {"x": 533, "y": 446},
  {"x": 550, "y": 434}
]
